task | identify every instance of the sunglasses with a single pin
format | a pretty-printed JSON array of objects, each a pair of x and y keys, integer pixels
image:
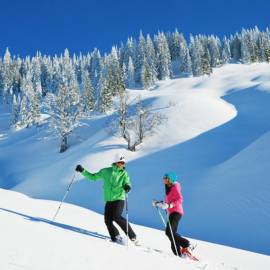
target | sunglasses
[{"x": 121, "y": 162}]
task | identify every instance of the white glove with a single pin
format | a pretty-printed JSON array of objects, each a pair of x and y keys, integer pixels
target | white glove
[
  {"x": 154, "y": 203},
  {"x": 165, "y": 206},
  {"x": 162, "y": 205}
]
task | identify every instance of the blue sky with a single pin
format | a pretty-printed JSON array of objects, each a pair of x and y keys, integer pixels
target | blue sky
[{"x": 50, "y": 26}]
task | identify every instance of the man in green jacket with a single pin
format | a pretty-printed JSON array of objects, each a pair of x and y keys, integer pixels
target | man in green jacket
[{"x": 116, "y": 184}]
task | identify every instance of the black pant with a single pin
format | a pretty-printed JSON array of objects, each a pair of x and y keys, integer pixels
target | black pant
[
  {"x": 113, "y": 212},
  {"x": 174, "y": 219}
]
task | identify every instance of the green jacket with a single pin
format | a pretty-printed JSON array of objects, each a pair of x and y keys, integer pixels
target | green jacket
[{"x": 114, "y": 181}]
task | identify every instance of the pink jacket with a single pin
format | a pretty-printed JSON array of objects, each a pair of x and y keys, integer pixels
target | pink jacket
[{"x": 175, "y": 197}]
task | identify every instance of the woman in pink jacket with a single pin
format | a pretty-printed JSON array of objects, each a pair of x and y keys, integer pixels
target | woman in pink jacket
[{"x": 173, "y": 205}]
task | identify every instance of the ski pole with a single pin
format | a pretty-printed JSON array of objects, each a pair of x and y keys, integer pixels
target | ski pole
[
  {"x": 67, "y": 191},
  {"x": 161, "y": 216},
  {"x": 127, "y": 216},
  {"x": 169, "y": 223}
]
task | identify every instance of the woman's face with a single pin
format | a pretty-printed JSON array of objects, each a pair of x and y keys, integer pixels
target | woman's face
[{"x": 166, "y": 181}]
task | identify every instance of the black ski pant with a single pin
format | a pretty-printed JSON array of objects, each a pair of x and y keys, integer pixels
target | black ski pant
[
  {"x": 113, "y": 212},
  {"x": 174, "y": 219}
]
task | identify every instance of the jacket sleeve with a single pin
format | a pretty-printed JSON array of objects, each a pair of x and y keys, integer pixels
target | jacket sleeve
[
  {"x": 93, "y": 176},
  {"x": 126, "y": 180}
]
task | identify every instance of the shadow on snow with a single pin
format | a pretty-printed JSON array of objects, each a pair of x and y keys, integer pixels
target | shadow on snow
[{"x": 57, "y": 224}]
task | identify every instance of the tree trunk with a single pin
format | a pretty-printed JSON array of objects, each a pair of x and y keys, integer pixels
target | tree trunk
[{"x": 64, "y": 144}]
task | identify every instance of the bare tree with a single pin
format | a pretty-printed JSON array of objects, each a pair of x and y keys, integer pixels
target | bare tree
[{"x": 135, "y": 125}]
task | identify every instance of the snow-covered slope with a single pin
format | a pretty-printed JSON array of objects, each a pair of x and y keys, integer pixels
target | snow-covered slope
[
  {"x": 216, "y": 139},
  {"x": 78, "y": 240}
]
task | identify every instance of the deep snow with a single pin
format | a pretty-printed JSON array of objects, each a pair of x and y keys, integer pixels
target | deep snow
[
  {"x": 78, "y": 240},
  {"x": 216, "y": 139}
]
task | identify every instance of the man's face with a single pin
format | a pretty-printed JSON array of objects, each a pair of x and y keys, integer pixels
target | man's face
[{"x": 120, "y": 164}]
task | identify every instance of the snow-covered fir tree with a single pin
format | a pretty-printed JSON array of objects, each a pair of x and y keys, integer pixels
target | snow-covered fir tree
[
  {"x": 205, "y": 62},
  {"x": 139, "y": 60},
  {"x": 2, "y": 91},
  {"x": 7, "y": 77},
  {"x": 173, "y": 40},
  {"x": 128, "y": 51},
  {"x": 105, "y": 100},
  {"x": 196, "y": 51},
  {"x": 266, "y": 45},
  {"x": 235, "y": 45},
  {"x": 151, "y": 60},
  {"x": 115, "y": 72},
  {"x": 46, "y": 75},
  {"x": 95, "y": 71},
  {"x": 146, "y": 75},
  {"x": 29, "y": 113},
  {"x": 226, "y": 51},
  {"x": 88, "y": 93},
  {"x": 129, "y": 74},
  {"x": 185, "y": 65},
  {"x": 15, "y": 114},
  {"x": 164, "y": 68},
  {"x": 246, "y": 49},
  {"x": 214, "y": 48}
]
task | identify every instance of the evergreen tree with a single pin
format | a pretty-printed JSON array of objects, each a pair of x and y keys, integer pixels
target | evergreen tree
[
  {"x": 245, "y": 47},
  {"x": 265, "y": 46},
  {"x": 129, "y": 74},
  {"x": 146, "y": 75},
  {"x": 115, "y": 71},
  {"x": 2, "y": 92},
  {"x": 163, "y": 57},
  {"x": 23, "y": 117},
  {"x": 105, "y": 101},
  {"x": 214, "y": 48},
  {"x": 196, "y": 51},
  {"x": 151, "y": 60},
  {"x": 88, "y": 92},
  {"x": 226, "y": 51},
  {"x": 30, "y": 111},
  {"x": 16, "y": 76},
  {"x": 129, "y": 51},
  {"x": 46, "y": 75},
  {"x": 15, "y": 111},
  {"x": 139, "y": 60},
  {"x": 205, "y": 64},
  {"x": 174, "y": 44},
  {"x": 36, "y": 74},
  {"x": 7, "y": 76},
  {"x": 95, "y": 70},
  {"x": 185, "y": 66},
  {"x": 236, "y": 47}
]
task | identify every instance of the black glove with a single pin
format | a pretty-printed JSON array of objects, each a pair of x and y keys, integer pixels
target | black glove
[
  {"x": 79, "y": 168},
  {"x": 127, "y": 188}
]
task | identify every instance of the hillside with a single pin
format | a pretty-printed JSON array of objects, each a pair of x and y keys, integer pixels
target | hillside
[
  {"x": 78, "y": 240},
  {"x": 216, "y": 139}
]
